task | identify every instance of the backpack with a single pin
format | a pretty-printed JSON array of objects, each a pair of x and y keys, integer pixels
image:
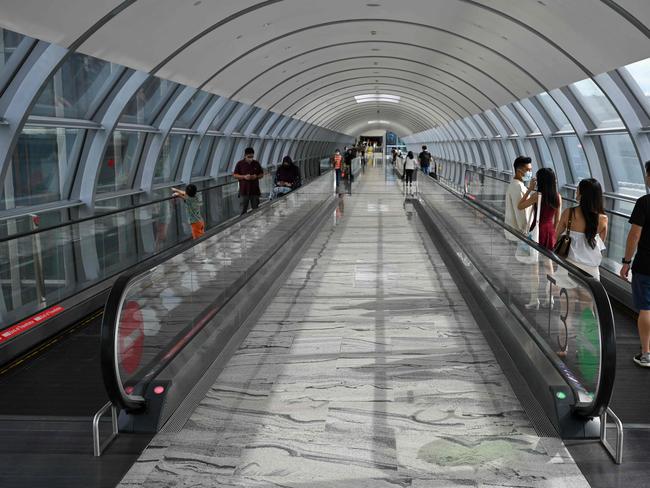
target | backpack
[{"x": 426, "y": 158}]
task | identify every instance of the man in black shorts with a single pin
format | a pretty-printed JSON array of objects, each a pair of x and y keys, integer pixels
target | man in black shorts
[{"x": 638, "y": 242}]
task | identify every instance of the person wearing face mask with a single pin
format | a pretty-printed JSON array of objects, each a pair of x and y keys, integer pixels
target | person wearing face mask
[{"x": 519, "y": 219}]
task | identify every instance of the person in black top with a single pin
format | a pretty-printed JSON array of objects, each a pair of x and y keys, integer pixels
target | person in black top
[
  {"x": 638, "y": 245},
  {"x": 425, "y": 160},
  {"x": 248, "y": 172}
]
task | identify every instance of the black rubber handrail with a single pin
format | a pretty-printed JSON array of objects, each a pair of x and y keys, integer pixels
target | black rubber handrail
[
  {"x": 612, "y": 212},
  {"x": 109, "y": 329},
  {"x": 605, "y": 385},
  {"x": 114, "y": 212}
]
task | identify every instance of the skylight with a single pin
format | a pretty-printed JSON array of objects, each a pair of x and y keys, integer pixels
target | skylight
[{"x": 377, "y": 97}]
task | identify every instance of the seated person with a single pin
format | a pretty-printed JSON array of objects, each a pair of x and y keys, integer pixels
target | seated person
[{"x": 286, "y": 178}]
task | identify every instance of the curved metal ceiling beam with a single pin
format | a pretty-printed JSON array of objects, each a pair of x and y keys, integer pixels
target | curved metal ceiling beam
[
  {"x": 338, "y": 92},
  {"x": 354, "y": 58},
  {"x": 337, "y": 73},
  {"x": 333, "y": 103},
  {"x": 343, "y": 107},
  {"x": 399, "y": 43},
  {"x": 358, "y": 80},
  {"x": 627, "y": 16},
  {"x": 345, "y": 120},
  {"x": 212, "y": 28},
  {"x": 487, "y": 75},
  {"x": 99, "y": 24},
  {"x": 372, "y": 109},
  {"x": 532, "y": 30}
]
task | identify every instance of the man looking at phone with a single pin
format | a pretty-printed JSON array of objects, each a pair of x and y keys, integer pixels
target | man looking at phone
[{"x": 248, "y": 172}]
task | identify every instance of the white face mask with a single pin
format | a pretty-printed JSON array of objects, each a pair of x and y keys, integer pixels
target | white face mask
[{"x": 528, "y": 175}]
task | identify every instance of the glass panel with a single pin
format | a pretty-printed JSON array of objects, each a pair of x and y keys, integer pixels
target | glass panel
[
  {"x": 223, "y": 115},
  {"x": 545, "y": 153},
  {"x": 640, "y": 72},
  {"x": 555, "y": 112},
  {"x": 8, "y": 43},
  {"x": 568, "y": 333},
  {"x": 203, "y": 156},
  {"x": 120, "y": 161},
  {"x": 192, "y": 110},
  {"x": 596, "y": 104},
  {"x": 75, "y": 86},
  {"x": 168, "y": 158},
  {"x": 576, "y": 158},
  {"x": 532, "y": 126},
  {"x": 148, "y": 101},
  {"x": 623, "y": 162},
  {"x": 40, "y": 166}
]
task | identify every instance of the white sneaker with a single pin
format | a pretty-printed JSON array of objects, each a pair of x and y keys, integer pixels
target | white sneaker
[{"x": 642, "y": 360}]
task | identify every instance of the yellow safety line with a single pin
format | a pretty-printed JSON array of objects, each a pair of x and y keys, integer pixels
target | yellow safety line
[{"x": 51, "y": 342}]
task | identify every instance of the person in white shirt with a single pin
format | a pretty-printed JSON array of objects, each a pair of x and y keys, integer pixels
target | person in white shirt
[
  {"x": 410, "y": 164},
  {"x": 520, "y": 220}
]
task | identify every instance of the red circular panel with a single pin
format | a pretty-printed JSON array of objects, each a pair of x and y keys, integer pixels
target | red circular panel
[{"x": 131, "y": 337}]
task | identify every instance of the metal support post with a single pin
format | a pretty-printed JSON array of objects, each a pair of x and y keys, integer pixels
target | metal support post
[{"x": 616, "y": 453}]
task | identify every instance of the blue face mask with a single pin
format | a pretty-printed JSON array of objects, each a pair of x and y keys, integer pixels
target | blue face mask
[{"x": 527, "y": 177}]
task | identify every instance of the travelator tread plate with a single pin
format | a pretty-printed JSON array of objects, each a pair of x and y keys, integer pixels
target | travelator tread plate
[{"x": 63, "y": 380}]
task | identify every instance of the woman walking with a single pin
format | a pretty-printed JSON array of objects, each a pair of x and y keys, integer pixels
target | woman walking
[
  {"x": 542, "y": 190},
  {"x": 410, "y": 164},
  {"x": 588, "y": 225}
]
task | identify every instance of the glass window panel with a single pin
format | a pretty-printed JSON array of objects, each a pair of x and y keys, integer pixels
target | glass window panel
[
  {"x": 75, "y": 86},
  {"x": 555, "y": 112},
  {"x": 576, "y": 158},
  {"x": 596, "y": 104},
  {"x": 8, "y": 43},
  {"x": 624, "y": 164},
  {"x": 223, "y": 114},
  {"x": 148, "y": 101},
  {"x": 41, "y": 165},
  {"x": 192, "y": 110},
  {"x": 120, "y": 161},
  {"x": 640, "y": 72},
  {"x": 168, "y": 158},
  {"x": 530, "y": 122},
  {"x": 203, "y": 156},
  {"x": 222, "y": 154},
  {"x": 545, "y": 153}
]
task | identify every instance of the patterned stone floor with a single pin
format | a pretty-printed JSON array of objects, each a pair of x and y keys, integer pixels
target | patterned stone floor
[{"x": 367, "y": 370}]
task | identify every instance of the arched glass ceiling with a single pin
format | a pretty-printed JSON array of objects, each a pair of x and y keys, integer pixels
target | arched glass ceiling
[{"x": 466, "y": 55}]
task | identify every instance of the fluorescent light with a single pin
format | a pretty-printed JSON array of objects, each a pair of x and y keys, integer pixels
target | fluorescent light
[
  {"x": 378, "y": 122},
  {"x": 379, "y": 97}
]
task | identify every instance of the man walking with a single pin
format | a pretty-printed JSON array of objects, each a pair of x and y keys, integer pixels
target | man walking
[
  {"x": 638, "y": 246},
  {"x": 248, "y": 172},
  {"x": 425, "y": 160}
]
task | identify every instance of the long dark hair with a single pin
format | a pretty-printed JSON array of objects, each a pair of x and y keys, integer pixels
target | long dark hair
[
  {"x": 547, "y": 187},
  {"x": 410, "y": 155},
  {"x": 591, "y": 204}
]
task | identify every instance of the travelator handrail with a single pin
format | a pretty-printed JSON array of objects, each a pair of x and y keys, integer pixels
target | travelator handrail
[
  {"x": 130, "y": 208},
  {"x": 572, "y": 200},
  {"x": 109, "y": 355},
  {"x": 607, "y": 371}
]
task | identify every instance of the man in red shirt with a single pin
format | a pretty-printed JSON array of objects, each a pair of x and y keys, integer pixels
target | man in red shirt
[{"x": 248, "y": 172}]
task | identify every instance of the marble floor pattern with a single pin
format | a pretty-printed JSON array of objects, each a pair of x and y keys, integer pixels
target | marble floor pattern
[{"x": 367, "y": 370}]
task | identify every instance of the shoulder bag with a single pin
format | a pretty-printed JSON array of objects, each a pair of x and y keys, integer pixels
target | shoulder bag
[{"x": 564, "y": 242}]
